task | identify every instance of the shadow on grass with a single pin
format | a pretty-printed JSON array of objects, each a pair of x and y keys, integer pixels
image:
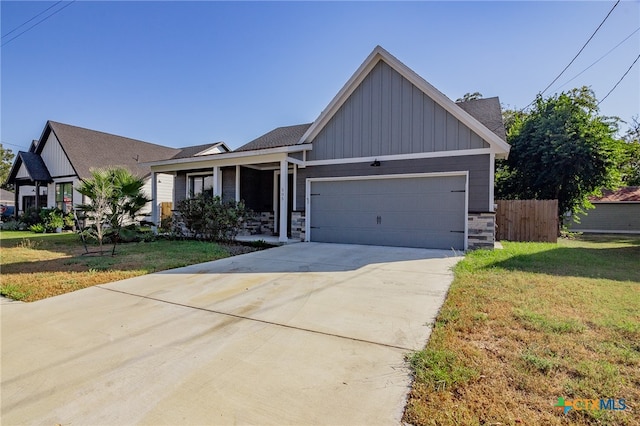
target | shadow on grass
[{"x": 619, "y": 264}]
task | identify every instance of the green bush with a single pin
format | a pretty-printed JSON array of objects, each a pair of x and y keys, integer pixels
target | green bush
[
  {"x": 207, "y": 217},
  {"x": 38, "y": 228}
]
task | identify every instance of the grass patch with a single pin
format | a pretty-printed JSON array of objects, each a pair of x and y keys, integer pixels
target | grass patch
[
  {"x": 528, "y": 324},
  {"x": 37, "y": 266}
]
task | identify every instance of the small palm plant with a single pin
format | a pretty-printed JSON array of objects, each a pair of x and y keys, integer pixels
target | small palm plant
[{"x": 114, "y": 197}]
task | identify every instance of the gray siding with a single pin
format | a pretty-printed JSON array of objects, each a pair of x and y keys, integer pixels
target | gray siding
[
  {"x": 611, "y": 217},
  {"x": 179, "y": 188},
  {"x": 388, "y": 115},
  {"x": 477, "y": 165},
  {"x": 228, "y": 183}
]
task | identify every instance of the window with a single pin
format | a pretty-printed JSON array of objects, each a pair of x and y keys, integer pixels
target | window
[
  {"x": 64, "y": 196},
  {"x": 198, "y": 184}
]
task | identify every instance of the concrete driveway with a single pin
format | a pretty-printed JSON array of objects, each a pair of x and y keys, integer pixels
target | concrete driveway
[{"x": 301, "y": 334}]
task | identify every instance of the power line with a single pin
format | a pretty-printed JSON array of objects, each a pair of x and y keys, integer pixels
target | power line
[
  {"x": 621, "y": 78},
  {"x": 39, "y": 22},
  {"x": 599, "y": 59},
  {"x": 26, "y": 22},
  {"x": 582, "y": 48},
  {"x": 577, "y": 54}
]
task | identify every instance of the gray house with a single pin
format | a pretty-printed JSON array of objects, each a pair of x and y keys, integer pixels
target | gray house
[
  {"x": 615, "y": 212},
  {"x": 390, "y": 161}
]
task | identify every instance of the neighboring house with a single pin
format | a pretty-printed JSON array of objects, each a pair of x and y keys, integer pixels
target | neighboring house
[
  {"x": 64, "y": 154},
  {"x": 616, "y": 212},
  {"x": 390, "y": 161},
  {"x": 7, "y": 198}
]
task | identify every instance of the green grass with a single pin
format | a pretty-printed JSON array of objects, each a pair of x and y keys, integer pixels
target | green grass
[
  {"x": 36, "y": 266},
  {"x": 528, "y": 324}
]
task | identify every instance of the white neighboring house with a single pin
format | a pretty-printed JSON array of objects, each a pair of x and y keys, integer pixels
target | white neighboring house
[{"x": 64, "y": 155}]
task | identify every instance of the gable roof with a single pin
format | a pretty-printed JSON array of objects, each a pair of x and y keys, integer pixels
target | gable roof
[
  {"x": 87, "y": 149},
  {"x": 488, "y": 112},
  {"x": 36, "y": 168},
  {"x": 192, "y": 151},
  {"x": 626, "y": 193},
  {"x": 281, "y": 136},
  {"x": 498, "y": 146}
]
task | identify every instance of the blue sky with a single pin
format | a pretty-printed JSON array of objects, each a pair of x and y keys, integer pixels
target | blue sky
[{"x": 186, "y": 73}]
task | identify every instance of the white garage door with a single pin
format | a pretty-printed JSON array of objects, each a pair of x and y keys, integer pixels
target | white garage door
[{"x": 411, "y": 211}]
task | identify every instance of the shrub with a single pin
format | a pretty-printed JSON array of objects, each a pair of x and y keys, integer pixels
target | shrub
[
  {"x": 207, "y": 217},
  {"x": 38, "y": 228}
]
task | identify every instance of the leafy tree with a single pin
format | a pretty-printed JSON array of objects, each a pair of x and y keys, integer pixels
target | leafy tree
[
  {"x": 630, "y": 165},
  {"x": 115, "y": 197},
  {"x": 470, "y": 97},
  {"x": 6, "y": 160},
  {"x": 562, "y": 149}
]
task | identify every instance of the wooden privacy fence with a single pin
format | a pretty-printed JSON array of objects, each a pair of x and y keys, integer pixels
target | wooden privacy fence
[
  {"x": 527, "y": 220},
  {"x": 165, "y": 209}
]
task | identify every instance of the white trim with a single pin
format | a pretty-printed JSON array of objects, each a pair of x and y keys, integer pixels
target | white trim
[
  {"x": 214, "y": 147},
  {"x": 396, "y": 157},
  {"x": 295, "y": 187},
  {"x": 492, "y": 181},
  {"x": 233, "y": 155},
  {"x": 154, "y": 201},
  {"x": 237, "y": 183},
  {"x": 464, "y": 173},
  {"x": 295, "y": 161},
  {"x": 501, "y": 147},
  {"x": 217, "y": 180},
  {"x": 275, "y": 201}
]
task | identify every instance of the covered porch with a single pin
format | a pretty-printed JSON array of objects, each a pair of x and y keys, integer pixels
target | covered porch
[{"x": 265, "y": 180}]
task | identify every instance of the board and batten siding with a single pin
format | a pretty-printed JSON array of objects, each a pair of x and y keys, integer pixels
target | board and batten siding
[
  {"x": 54, "y": 157},
  {"x": 228, "y": 183},
  {"x": 477, "y": 165},
  {"x": 388, "y": 115}
]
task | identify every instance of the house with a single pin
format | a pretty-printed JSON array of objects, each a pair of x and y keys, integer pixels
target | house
[
  {"x": 615, "y": 212},
  {"x": 65, "y": 154},
  {"x": 390, "y": 161}
]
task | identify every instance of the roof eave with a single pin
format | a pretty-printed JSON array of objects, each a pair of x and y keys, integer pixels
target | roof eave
[{"x": 233, "y": 154}]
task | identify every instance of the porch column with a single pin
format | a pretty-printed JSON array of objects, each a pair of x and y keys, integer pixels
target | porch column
[
  {"x": 37, "y": 196},
  {"x": 237, "y": 183},
  {"x": 216, "y": 181},
  {"x": 16, "y": 198},
  {"x": 284, "y": 208},
  {"x": 154, "y": 202}
]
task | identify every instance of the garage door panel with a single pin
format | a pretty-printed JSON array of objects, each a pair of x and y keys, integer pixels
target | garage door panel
[{"x": 411, "y": 212}]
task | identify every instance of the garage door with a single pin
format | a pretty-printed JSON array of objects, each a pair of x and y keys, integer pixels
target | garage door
[{"x": 406, "y": 212}]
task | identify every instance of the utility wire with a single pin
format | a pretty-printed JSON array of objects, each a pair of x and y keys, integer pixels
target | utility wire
[
  {"x": 39, "y": 22},
  {"x": 581, "y": 49},
  {"x": 577, "y": 54},
  {"x": 599, "y": 59},
  {"x": 26, "y": 22},
  {"x": 621, "y": 78}
]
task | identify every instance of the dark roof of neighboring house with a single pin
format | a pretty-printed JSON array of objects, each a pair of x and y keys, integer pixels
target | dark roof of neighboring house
[
  {"x": 190, "y": 151},
  {"x": 282, "y": 136},
  {"x": 34, "y": 165},
  {"x": 87, "y": 149},
  {"x": 627, "y": 193},
  {"x": 488, "y": 112}
]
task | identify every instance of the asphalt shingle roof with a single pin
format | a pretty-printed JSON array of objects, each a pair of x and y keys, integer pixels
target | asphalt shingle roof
[
  {"x": 190, "y": 151},
  {"x": 626, "y": 193},
  {"x": 35, "y": 166},
  {"x": 281, "y": 136},
  {"x": 87, "y": 149},
  {"x": 488, "y": 112}
]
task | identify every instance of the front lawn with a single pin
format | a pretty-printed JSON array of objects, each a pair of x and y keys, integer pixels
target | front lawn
[
  {"x": 524, "y": 326},
  {"x": 36, "y": 266}
]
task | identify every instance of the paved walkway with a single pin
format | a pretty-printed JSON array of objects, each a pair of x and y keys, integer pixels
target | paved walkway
[{"x": 300, "y": 334}]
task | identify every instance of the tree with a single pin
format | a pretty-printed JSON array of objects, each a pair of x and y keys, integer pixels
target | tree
[
  {"x": 115, "y": 196},
  {"x": 6, "y": 160},
  {"x": 630, "y": 164},
  {"x": 470, "y": 97},
  {"x": 562, "y": 149}
]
